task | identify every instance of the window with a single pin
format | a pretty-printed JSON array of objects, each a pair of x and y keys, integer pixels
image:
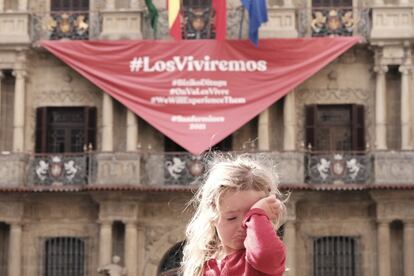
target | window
[
  {"x": 6, "y": 111},
  {"x": 64, "y": 256},
  {"x": 118, "y": 239},
  {"x": 69, "y": 5},
  {"x": 171, "y": 262},
  {"x": 198, "y": 19},
  {"x": 65, "y": 129},
  {"x": 334, "y": 256},
  {"x": 335, "y": 127},
  {"x": 4, "y": 247},
  {"x": 331, "y": 3}
]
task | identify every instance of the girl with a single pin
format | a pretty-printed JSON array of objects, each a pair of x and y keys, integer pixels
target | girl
[{"x": 231, "y": 232}]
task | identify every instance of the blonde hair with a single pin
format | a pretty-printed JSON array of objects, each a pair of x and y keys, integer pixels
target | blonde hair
[{"x": 225, "y": 173}]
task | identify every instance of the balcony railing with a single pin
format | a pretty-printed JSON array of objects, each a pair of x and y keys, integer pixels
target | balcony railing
[
  {"x": 184, "y": 169},
  {"x": 334, "y": 21},
  {"x": 59, "y": 169},
  {"x": 73, "y": 25},
  {"x": 338, "y": 168}
]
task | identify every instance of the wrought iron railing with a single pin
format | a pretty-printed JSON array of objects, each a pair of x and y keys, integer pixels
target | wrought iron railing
[
  {"x": 338, "y": 167},
  {"x": 59, "y": 169},
  {"x": 334, "y": 21},
  {"x": 73, "y": 25},
  {"x": 171, "y": 168}
]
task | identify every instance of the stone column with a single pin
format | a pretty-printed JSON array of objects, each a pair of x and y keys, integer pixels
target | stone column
[
  {"x": 290, "y": 242},
  {"x": 141, "y": 248},
  {"x": 131, "y": 247},
  {"x": 134, "y": 4},
  {"x": 380, "y": 108},
  {"x": 1, "y": 79},
  {"x": 132, "y": 131},
  {"x": 19, "y": 110},
  {"x": 408, "y": 240},
  {"x": 22, "y": 5},
  {"x": 405, "y": 107},
  {"x": 289, "y": 121},
  {"x": 1, "y": 5},
  {"x": 110, "y": 5},
  {"x": 107, "y": 123},
  {"x": 15, "y": 249},
  {"x": 263, "y": 129},
  {"x": 105, "y": 242},
  {"x": 384, "y": 247}
]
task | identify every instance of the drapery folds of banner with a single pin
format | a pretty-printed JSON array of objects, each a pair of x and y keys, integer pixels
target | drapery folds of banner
[
  {"x": 257, "y": 10},
  {"x": 174, "y": 18},
  {"x": 197, "y": 92}
]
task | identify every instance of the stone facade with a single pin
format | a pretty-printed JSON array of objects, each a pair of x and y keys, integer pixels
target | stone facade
[{"x": 129, "y": 207}]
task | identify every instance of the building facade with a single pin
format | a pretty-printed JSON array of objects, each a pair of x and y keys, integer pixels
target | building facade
[{"x": 83, "y": 179}]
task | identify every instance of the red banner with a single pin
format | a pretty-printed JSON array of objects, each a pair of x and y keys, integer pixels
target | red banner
[{"x": 198, "y": 92}]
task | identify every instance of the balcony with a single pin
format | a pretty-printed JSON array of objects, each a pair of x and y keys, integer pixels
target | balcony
[
  {"x": 339, "y": 168},
  {"x": 71, "y": 25},
  {"x": 334, "y": 21},
  {"x": 14, "y": 28},
  {"x": 180, "y": 169}
]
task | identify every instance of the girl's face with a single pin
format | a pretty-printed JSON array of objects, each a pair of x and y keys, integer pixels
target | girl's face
[{"x": 233, "y": 206}]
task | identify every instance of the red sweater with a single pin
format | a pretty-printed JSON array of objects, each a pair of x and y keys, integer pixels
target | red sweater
[{"x": 264, "y": 253}]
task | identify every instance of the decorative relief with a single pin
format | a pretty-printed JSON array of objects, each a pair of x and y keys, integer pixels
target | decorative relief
[
  {"x": 394, "y": 167},
  {"x": 66, "y": 96},
  {"x": 159, "y": 240},
  {"x": 307, "y": 96}
]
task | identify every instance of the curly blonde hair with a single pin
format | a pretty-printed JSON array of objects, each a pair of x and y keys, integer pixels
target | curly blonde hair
[{"x": 225, "y": 173}]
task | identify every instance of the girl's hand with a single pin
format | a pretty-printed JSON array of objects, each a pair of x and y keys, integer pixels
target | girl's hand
[{"x": 271, "y": 205}]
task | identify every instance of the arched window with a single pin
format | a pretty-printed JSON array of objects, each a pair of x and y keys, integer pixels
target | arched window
[{"x": 171, "y": 262}]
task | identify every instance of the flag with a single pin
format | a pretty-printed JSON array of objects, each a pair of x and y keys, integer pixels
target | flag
[
  {"x": 257, "y": 10},
  {"x": 174, "y": 20},
  {"x": 220, "y": 8},
  {"x": 153, "y": 12}
]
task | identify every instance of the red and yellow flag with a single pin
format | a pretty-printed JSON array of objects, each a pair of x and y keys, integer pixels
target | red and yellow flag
[
  {"x": 174, "y": 22},
  {"x": 174, "y": 19}
]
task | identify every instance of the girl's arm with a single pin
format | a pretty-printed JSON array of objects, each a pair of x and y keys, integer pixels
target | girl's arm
[{"x": 264, "y": 250}]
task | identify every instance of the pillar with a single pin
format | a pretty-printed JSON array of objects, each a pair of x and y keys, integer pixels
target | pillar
[
  {"x": 134, "y": 4},
  {"x": 405, "y": 107},
  {"x": 141, "y": 248},
  {"x": 132, "y": 131},
  {"x": 105, "y": 242},
  {"x": 263, "y": 137},
  {"x": 19, "y": 110},
  {"x": 408, "y": 247},
  {"x": 107, "y": 123},
  {"x": 289, "y": 120},
  {"x": 384, "y": 247},
  {"x": 290, "y": 241},
  {"x": 1, "y": 5},
  {"x": 15, "y": 249},
  {"x": 1, "y": 79},
  {"x": 131, "y": 247},
  {"x": 110, "y": 5},
  {"x": 380, "y": 108},
  {"x": 22, "y": 5}
]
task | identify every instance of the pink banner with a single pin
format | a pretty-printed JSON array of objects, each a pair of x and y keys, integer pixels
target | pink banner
[{"x": 198, "y": 92}]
